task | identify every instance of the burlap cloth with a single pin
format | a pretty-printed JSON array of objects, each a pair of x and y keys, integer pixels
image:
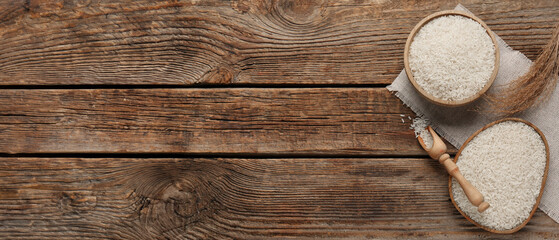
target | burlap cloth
[{"x": 457, "y": 124}]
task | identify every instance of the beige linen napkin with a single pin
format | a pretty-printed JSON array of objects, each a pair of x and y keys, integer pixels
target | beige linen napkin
[{"x": 457, "y": 124}]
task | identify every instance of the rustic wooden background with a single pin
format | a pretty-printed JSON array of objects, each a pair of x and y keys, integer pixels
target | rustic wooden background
[{"x": 225, "y": 119}]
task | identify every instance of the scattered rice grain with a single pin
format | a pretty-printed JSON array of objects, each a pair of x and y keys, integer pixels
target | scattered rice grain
[{"x": 419, "y": 126}]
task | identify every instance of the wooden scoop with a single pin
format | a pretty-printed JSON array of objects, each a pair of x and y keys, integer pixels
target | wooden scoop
[{"x": 438, "y": 152}]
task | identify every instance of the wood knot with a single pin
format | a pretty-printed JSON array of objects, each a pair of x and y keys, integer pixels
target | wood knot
[
  {"x": 76, "y": 202},
  {"x": 218, "y": 75},
  {"x": 175, "y": 194},
  {"x": 301, "y": 11},
  {"x": 173, "y": 206},
  {"x": 44, "y": 8},
  {"x": 183, "y": 201},
  {"x": 251, "y": 6},
  {"x": 173, "y": 197},
  {"x": 242, "y": 6}
]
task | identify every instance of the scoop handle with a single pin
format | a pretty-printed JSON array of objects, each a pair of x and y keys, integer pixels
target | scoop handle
[
  {"x": 475, "y": 197},
  {"x": 438, "y": 152}
]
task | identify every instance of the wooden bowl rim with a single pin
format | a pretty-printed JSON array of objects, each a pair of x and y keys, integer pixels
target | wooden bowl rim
[
  {"x": 541, "y": 189},
  {"x": 427, "y": 95}
]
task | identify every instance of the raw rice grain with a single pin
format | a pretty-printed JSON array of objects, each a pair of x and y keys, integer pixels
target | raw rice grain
[
  {"x": 506, "y": 163},
  {"x": 452, "y": 57}
]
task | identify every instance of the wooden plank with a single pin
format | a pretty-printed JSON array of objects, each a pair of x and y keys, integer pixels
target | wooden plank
[
  {"x": 233, "y": 42},
  {"x": 218, "y": 121},
  {"x": 68, "y": 198}
]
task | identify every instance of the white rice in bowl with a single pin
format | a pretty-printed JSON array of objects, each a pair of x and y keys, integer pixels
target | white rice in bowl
[{"x": 452, "y": 57}]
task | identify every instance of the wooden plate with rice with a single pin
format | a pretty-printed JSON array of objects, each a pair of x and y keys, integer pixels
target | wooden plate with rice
[{"x": 520, "y": 162}]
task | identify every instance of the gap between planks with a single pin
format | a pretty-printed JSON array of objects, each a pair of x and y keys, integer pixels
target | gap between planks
[
  {"x": 202, "y": 155},
  {"x": 193, "y": 86}
]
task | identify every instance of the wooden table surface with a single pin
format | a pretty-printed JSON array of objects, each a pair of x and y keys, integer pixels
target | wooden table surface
[{"x": 225, "y": 119}]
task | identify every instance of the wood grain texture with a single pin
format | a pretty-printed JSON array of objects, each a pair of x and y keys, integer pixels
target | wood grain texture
[
  {"x": 233, "y": 42},
  {"x": 239, "y": 43},
  {"x": 207, "y": 121},
  {"x": 67, "y": 198}
]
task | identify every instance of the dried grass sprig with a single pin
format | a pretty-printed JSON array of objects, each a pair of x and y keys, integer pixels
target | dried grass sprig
[{"x": 533, "y": 87}]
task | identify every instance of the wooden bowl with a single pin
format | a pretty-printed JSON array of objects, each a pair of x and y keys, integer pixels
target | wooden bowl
[
  {"x": 428, "y": 95},
  {"x": 541, "y": 189}
]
